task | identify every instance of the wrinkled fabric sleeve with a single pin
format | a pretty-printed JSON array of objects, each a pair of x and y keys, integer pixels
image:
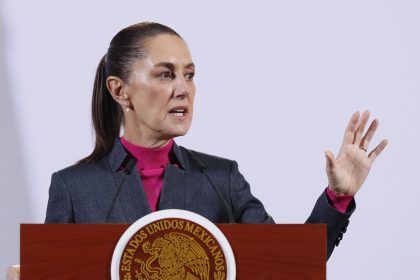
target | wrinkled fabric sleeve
[
  {"x": 248, "y": 209},
  {"x": 324, "y": 212},
  {"x": 59, "y": 209}
]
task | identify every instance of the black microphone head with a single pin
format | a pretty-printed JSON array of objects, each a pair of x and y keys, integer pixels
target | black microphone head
[{"x": 130, "y": 163}]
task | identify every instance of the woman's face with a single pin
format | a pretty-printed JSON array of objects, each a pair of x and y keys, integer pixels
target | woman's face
[{"x": 161, "y": 90}]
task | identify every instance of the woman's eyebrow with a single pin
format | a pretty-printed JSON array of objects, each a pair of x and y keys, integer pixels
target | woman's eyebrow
[
  {"x": 190, "y": 65},
  {"x": 171, "y": 66}
]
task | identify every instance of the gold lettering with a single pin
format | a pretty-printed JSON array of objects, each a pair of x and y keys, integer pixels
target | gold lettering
[
  {"x": 126, "y": 262},
  {"x": 217, "y": 255},
  {"x": 203, "y": 234},
  {"x": 189, "y": 227},
  {"x": 181, "y": 224},
  {"x": 150, "y": 229},
  {"x": 196, "y": 231},
  {"x": 213, "y": 249},
  {"x": 220, "y": 267},
  {"x": 156, "y": 227},
  {"x": 126, "y": 265},
  {"x": 208, "y": 241},
  {"x": 174, "y": 224},
  {"x": 139, "y": 237},
  {"x": 219, "y": 261},
  {"x": 166, "y": 224},
  {"x": 131, "y": 251},
  {"x": 134, "y": 243}
]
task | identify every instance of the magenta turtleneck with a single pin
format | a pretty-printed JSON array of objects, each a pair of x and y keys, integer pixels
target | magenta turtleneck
[{"x": 151, "y": 163}]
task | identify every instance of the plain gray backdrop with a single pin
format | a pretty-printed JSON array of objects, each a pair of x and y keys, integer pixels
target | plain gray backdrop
[{"x": 277, "y": 82}]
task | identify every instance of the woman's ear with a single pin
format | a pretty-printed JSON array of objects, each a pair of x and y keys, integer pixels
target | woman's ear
[{"x": 117, "y": 88}]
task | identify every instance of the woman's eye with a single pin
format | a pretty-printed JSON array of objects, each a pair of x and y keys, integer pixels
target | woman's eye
[
  {"x": 165, "y": 75},
  {"x": 189, "y": 76}
]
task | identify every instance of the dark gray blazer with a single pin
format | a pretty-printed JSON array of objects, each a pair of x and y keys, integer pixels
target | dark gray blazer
[{"x": 83, "y": 193}]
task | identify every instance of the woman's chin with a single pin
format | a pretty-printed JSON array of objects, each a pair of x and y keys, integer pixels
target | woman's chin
[{"x": 178, "y": 131}]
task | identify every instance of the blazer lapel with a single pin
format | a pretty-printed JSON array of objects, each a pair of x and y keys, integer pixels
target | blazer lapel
[
  {"x": 132, "y": 197},
  {"x": 173, "y": 194}
]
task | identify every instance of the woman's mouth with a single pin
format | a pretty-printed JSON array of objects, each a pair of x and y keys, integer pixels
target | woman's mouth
[{"x": 179, "y": 112}]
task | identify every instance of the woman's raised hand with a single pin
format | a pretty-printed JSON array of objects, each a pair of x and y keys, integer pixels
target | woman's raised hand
[{"x": 347, "y": 172}]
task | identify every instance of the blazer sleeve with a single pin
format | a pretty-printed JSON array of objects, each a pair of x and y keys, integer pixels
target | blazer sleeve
[
  {"x": 246, "y": 208},
  {"x": 337, "y": 222},
  {"x": 59, "y": 209}
]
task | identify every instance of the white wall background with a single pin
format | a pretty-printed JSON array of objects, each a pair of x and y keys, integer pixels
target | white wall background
[{"x": 277, "y": 82}]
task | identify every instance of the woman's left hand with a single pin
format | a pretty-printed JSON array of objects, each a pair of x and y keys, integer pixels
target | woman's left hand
[
  {"x": 13, "y": 272},
  {"x": 347, "y": 172}
]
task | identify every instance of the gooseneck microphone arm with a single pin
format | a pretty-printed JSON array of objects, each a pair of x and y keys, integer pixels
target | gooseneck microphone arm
[
  {"x": 127, "y": 169},
  {"x": 226, "y": 205}
]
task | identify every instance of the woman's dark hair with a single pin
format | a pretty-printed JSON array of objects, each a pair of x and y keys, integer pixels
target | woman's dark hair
[{"x": 128, "y": 46}]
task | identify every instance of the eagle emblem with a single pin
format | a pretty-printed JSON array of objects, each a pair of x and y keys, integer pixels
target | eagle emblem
[{"x": 175, "y": 256}]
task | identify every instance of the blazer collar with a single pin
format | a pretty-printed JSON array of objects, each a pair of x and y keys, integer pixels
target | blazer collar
[{"x": 118, "y": 155}]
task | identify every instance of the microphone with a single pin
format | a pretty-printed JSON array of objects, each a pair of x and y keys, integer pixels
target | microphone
[
  {"x": 127, "y": 169},
  {"x": 203, "y": 170}
]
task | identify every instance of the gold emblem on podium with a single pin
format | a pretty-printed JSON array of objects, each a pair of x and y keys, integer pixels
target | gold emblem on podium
[
  {"x": 175, "y": 253},
  {"x": 172, "y": 249}
]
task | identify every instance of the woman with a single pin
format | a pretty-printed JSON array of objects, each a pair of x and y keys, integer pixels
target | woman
[{"x": 145, "y": 83}]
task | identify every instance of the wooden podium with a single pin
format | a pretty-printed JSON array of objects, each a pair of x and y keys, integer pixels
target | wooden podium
[{"x": 82, "y": 251}]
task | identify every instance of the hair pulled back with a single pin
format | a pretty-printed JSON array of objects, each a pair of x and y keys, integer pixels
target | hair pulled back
[{"x": 127, "y": 46}]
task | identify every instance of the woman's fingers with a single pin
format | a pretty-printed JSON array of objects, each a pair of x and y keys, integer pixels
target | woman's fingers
[
  {"x": 330, "y": 159},
  {"x": 351, "y": 129},
  {"x": 369, "y": 134},
  {"x": 361, "y": 127},
  {"x": 376, "y": 152},
  {"x": 329, "y": 168},
  {"x": 13, "y": 272}
]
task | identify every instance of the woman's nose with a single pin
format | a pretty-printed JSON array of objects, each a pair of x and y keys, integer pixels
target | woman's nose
[{"x": 181, "y": 87}]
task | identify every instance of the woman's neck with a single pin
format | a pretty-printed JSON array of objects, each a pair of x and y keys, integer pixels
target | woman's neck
[{"x": 147, "y": 142}]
